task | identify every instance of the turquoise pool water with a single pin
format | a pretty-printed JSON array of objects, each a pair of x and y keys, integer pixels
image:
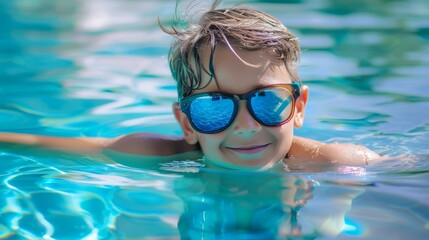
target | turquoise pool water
[{"x": 98, "y": 68}]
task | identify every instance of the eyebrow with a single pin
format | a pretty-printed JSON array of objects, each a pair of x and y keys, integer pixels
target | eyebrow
[
  {"x": 253, "y": 89},
  {"x": 256, "y": 87}
]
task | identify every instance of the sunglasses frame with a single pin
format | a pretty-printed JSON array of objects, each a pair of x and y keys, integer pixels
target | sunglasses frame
[{"x": 185, "y": 103}]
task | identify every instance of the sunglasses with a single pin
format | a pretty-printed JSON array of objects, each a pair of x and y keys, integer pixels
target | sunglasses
[{"x": 213, "y": 112}]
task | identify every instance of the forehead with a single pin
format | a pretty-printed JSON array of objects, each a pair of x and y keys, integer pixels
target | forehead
[{"x": 241, "y": 71}]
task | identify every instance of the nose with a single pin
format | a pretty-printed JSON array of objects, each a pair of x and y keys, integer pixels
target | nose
[{"x": 244, "y": 123}]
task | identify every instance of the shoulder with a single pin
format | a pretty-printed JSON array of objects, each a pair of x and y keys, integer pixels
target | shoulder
[
  {"x": 336, "y": 153},
  {"x": 150, "y": 144}
]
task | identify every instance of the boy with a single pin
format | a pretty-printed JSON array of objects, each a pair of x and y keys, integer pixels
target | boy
[{"x": 240, "y": 98}]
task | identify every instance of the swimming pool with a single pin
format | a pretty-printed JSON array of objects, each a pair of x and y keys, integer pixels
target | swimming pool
[{"x": 98, "y": 68}]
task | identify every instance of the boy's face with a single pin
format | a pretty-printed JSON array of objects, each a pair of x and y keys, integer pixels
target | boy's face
[{"x": 245, "y": 144}]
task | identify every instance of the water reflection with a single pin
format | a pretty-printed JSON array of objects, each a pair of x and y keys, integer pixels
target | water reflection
[{"x": 225, "y": 205}]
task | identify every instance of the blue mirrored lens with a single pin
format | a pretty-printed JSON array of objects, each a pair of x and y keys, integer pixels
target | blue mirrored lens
[
  {"x": 271, "y": 106},
  {"x": 211, "y": 113}
]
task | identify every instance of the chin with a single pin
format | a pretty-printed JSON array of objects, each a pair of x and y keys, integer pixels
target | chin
[{"x": 242, "y": 165}]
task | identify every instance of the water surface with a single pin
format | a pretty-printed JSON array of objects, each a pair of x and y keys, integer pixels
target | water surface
[{"x": 99, "y": 68}]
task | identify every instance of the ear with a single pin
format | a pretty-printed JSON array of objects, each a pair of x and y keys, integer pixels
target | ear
[
  {"x": 300, "y": 105},
  {"x": 189, "y": 133}
]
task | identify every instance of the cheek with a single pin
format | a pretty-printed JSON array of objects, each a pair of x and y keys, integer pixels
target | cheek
[
  {"x": 283, "y": 135},
  {"x": 210, "y": 142}
]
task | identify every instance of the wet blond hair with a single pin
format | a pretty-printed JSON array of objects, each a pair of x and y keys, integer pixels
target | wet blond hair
[{"x": 242, "y": 27}]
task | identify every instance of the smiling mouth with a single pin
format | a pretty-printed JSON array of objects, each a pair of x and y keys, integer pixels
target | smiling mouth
[{"x": 249, "y": 149}]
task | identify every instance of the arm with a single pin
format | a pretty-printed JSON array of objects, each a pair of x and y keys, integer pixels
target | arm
[
  {"x": 140, "y": 143},
  {"x": 340, "y": 153},
  {"x": 83, "y": 145}
]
